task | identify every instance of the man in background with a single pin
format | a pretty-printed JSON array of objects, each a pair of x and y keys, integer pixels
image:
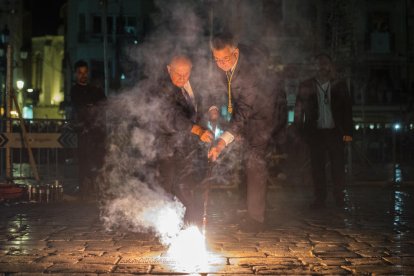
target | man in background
[
  {"x": 323, "y": 115},
  {"x": 89, "y": 117}
]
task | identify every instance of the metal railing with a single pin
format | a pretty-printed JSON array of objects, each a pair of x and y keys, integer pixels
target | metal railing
[{"x": 53, "y": 144}]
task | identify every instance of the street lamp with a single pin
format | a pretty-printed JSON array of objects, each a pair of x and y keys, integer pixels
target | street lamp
[{"x": 19, "y": 84}]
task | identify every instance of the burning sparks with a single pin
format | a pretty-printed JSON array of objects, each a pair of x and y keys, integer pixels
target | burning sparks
[
  {"x": 167, "y": 222},
  {"x": 188, "y": 249}
]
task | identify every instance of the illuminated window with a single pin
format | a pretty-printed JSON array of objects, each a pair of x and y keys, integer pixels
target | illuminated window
[{"x": 291, "y": 116}]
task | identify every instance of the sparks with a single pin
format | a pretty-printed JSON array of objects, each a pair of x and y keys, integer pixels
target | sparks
[{"x": 188, "y": 249}]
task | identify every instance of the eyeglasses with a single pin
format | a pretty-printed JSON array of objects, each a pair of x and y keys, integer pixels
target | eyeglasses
[{"x": 224, "y": 59}]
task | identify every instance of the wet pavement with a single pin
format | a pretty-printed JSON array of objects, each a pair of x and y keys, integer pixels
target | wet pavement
[{"x": 373, "y": 235}]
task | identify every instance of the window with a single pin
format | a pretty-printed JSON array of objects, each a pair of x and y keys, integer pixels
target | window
[{"x": 96, "y": 25}]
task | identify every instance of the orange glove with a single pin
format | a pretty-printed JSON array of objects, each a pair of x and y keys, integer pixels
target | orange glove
[
  {"x": 215, "y": 151},
  {"x": 205, "y": 135}
]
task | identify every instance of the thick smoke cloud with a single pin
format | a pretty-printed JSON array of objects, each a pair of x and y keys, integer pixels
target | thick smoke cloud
[{"x": 132, "y": 197}]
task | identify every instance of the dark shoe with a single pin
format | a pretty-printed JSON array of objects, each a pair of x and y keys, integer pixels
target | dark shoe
[
  {"x": 250, "y": 225},
  {"x": 317, "y": 205}
]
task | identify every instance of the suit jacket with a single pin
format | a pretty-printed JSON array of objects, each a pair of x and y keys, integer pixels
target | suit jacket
[
  {"x": 174, "y": 131},
  {"x": 87, "y": 107},
  {"x": 307, "y": 111},
  {"x": 253, "y": 99}
]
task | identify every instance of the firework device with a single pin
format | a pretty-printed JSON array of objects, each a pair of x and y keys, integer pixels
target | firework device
[{"x": 206, "y": 194}]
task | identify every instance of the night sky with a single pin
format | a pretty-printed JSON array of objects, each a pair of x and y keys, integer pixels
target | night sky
[{"x": 45, "y": 17}]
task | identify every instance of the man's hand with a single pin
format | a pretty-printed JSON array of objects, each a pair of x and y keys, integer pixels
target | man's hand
[
  {"x": 215, "y": 151},
  {"x": 205, "y": 135},
  {"x": 347, "y": 138}
]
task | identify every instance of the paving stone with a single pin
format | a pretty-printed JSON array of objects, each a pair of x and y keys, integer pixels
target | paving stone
[
  {"x": 133, "y": 249},
  {"x": 18, "y": 259},
  {"x": 403, "y": 261},
  {"x": 67, "y": 245},
  {"x": 378, "y": 270},
  {"x": 133, "y": 268},
  {"x": 366, "y": 261},
  {"x": 330, "y": 270},
  {"x": 240, "y": 251},
  {"x": 281, "y": 270},
  {"x": 337, "y": 254},
  {"x": 334, "y": 261},
  {"x": 23, "y": 267},
  {"x": 79, "y": 268},
  {"x": 276, "y": 251},
  {"x": 100, "y": 246},
  {"x": 109, "y": 259},
  {"x": 373, "y": 252},
  {"x": 328, "y": 247},
  {"x": 249, "y": 262}
]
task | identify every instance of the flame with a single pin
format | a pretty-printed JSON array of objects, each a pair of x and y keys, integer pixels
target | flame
[{"x": 188, "y": 249}]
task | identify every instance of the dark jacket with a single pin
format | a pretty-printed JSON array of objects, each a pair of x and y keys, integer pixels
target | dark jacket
[
  {"x": 174, "y": 131},
  {"x": 307, "y": 111},
  {"x": 253, "y": 99},
  {"x": 87, "y": 101}
]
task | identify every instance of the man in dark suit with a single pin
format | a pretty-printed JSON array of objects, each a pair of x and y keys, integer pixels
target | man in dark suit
[
  {"x": 88, "y": 114},
  {"x": 182, "y": 161},
  {"x": 251, "y": 104},
  {"x": 323, "y": 114}
]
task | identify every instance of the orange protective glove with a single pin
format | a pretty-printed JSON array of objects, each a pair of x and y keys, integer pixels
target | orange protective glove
[
  {"x": 215, "y": 151},
  {"x": 205, "y": 135}
]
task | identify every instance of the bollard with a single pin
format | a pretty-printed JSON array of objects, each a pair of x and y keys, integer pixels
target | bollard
[
  {"x": 29, "y": 192},
  {"x": 47, "y": 196},
  {"x": 35, "y": 191}
]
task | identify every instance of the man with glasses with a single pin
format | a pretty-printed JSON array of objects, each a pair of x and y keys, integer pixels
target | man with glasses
[
  {"x": 323, "y": 115},
  {"x": 251, "y": 105},
  {"x": 182, "y": 160}
]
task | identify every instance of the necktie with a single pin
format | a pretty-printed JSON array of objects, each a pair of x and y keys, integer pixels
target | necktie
[
  {"x": 187, "y": 97},
  {"x": 229, "y": 104}
]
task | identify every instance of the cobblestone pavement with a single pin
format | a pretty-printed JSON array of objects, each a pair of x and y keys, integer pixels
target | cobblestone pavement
[{"x": 374, "y": 235}]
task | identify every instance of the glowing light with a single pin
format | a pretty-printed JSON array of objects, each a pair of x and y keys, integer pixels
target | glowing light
[
  {"x": 188, "y": 250},
  {"x": 371, "y": 126},
  {"x": 397, "y": 126},
  {"x": 20, "y": 84},
  {"x": 30, "y": 90},
  {"x": 168, "y": 222},
  {"x": 56, "y": 98},
  {"x": 14, "y": 113}
]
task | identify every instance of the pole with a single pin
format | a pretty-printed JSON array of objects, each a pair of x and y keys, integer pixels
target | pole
[
  {"x": 105, "y": 43},
  {"x": 26, "y": 141},
  {"x": 394, "y": 155},
  {"x": 9, "y": 87},
  {"x": 206, "y": 194}
]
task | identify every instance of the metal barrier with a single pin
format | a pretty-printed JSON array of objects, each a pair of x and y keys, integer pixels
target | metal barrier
[
  {"x": 377, "y": 153},
  {"x": 53, "y": 144}
]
